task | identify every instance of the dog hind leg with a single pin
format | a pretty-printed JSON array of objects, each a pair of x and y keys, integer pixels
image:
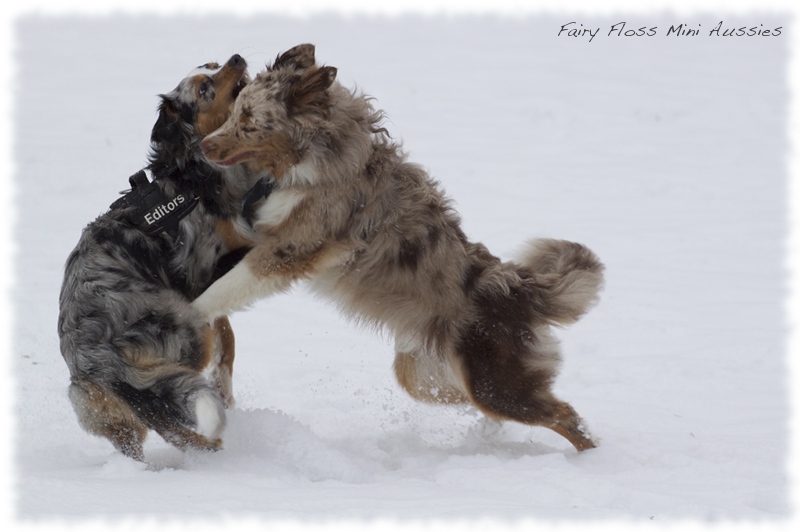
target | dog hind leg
[
  {"x": 565, "y": 421},
  {"x": 510, "y": 357},
  {"x": 102, "y": 413},
  {"x": 224, "y": 352},
  {"x": 508, "y": 391},
  {"x": 209, "y": 415},
  {"x": 427, "y": 379},
  {"x": 180, "y": 405}
]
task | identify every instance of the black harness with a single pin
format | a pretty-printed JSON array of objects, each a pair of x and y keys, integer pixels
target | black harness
[
  {"x": 155, "y": 212},
  {"x": 260, "y": 190}
]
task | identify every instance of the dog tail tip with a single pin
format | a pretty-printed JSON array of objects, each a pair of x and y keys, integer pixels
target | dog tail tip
[{"x": 570, "y": 274}]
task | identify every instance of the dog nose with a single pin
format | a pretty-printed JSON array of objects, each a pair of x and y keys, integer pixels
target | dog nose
[
  {"x": 236, "y": 60},
  {"x": 206, "y": 145}
]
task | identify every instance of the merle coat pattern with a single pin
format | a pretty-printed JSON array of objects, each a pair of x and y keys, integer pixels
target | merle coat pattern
[
  {"x": 376, "y": 234},
  {"x": 139, "y": 356}
]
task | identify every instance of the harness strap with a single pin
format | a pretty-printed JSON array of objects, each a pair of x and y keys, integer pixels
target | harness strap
[
  {"x": 260, "y": 190},
  {"x": 154, "y": 211}
]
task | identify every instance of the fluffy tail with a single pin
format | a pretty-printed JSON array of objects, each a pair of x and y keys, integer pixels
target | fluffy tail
[{"x": 569, "y": 277}]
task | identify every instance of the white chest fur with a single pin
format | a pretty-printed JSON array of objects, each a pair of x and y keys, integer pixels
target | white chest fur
[{"x": 278, "y": 207}]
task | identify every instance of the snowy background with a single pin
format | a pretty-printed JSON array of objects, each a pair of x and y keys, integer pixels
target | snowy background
[{"x": 665, "y": 155}]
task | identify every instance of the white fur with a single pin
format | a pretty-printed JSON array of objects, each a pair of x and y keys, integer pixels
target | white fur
[
  {"x": 184, "y": 90},
  {"x": 236, "y": 290},
  {"x": 303, "y": 173},
  {"x": 203, "y": 70},
  {"x": 278, "y": 207},
  {"x": 210, "y": 415},
  {"x": 547, "y": 353}
]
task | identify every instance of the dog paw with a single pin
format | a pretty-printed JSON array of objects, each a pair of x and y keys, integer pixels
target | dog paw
[
  {"x": 210, "y": 416},
  {"x": 202, "y": 305},
  {"x": 225, "y": 393}
]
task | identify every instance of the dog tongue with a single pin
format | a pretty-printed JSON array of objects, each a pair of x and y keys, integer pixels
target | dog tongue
[{"x": 236, "y": 158}]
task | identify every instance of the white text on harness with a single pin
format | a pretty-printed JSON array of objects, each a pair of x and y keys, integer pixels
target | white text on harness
[{"x": 163, "y": 209}]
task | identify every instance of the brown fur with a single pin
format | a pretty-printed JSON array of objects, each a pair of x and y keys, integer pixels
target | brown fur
[
  {"x": 231, "y": 235},
  {"x": 212, "y": 117},
  {"x": 222, "y": 376},
  {"x": 107, "y": 416},
  {"x": 376, "y": 234}
]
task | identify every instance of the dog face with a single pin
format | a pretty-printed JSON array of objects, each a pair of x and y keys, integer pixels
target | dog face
[
  {"x": 274, "y": 114},
  {"x": 202, "y": 101}
]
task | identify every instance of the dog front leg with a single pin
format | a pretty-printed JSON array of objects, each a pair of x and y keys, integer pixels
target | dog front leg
[
  {"x": 268, "y": 270},
  {"x": 236, "y": 290}
]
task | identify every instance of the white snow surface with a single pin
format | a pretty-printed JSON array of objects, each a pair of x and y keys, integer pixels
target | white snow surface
[{"x": 665, "y": 155}]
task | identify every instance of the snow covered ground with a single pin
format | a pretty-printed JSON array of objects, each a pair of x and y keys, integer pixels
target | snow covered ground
[{"x": 666, "y": 155}]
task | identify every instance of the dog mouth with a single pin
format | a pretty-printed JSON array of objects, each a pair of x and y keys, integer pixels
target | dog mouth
[
  {"x": 241, "y": 84},
  {"x": 235, "y": 159}
]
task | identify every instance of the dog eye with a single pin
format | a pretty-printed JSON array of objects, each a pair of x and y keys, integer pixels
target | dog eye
[{"x": 204, "y": 87}]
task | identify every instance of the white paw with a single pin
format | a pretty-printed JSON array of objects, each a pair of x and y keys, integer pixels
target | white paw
[
  {"x": 201, "y": 305},
  {"x": 210, "y": 415}
]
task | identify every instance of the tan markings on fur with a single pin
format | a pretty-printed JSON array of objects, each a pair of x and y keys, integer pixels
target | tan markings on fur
[
  {"x": 541, "y": 409},
  {"x": 223, "y": 373},
  {"x": 103, "y": 414},
  {"x": 425, "y": 383},
  {"x": 212, "y": 118},
  {"x": 184, "y": 438},
  {"x": 224, "y": 331},
  {"x": 564, "y": 421},
  {"x": 567, "y": 423},
  {"x": 231, "y": 236}
]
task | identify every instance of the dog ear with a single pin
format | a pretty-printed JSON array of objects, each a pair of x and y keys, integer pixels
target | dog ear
[
  {"x": 169, "y": 137},
  {"x": 168, "y": 127},
  {"x": 309, "y": 89},
  {"x": 301, "y": 56}
]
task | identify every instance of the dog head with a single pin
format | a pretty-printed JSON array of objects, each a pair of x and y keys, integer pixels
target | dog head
[
  {"x": 276, "y": 115},
  {"x": 200, "y": 103}
]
